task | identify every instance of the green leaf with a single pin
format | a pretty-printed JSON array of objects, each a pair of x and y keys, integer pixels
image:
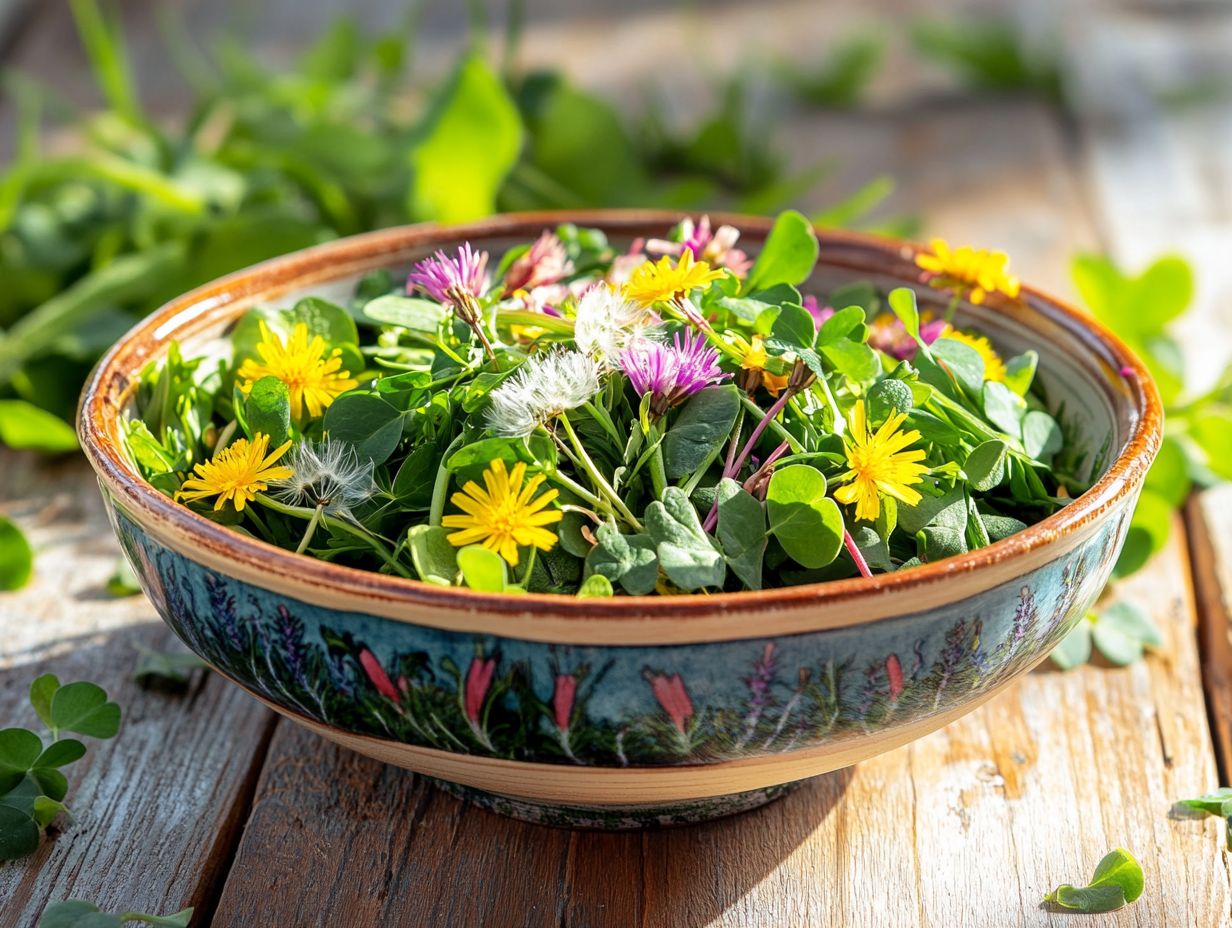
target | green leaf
[
  {"x": 985, "y": 466},
  {"x": 26, "y": 427},
  {"x": 886, "y": 397},
  {"x": 41, "y": 691},
  {"x": 742, "y": 532},
  {"x": 77, "y": 913},
  {"x": 415, "y": 478},
  {"x": 435, "y": 559},
  {"x": 406, "y": 312},
  {"x": 1020, "y": 372},
  {"x": 704, "y": 423},
  {"x": 16, "y": 556},
  {"x": 59, "y": 753},
  {"x": 267, "y": 410},
  {"x": 1149, "y": 528},
  {"x": 483, "y": 569},
  {"x": 902, "y": 302},
  {"x": 807, "y": 523},
  {"x": 1041, "y": 436},
  {"x": 83, "y": 708},
  {"x": 1004, "y": 408},
  {"x": 168, "y": 668},
  {"x": 329, "y": 320},
  {"x": 19, "y": 833},
  {"x": 123, "y": 581},
  {"x": 963, "y": 362},
  {"x": 788, "y": 256},
  {"x": 853, "y": 359},
  {"x": 1212, "y": 430},
  {"x": 1211, "y": 803},
  {"x": 629, "y": 560},
  {"x": 1117, "y": 880},
  {"x": 1169, "y": 477},
  {"x": 686, "y": 553},
  {"x": 19, "y": 751},
  {"x": 371, "y": 425},
  {"x": 470, "y": 140},
  {"x": 1074, "y": 649},
  {"x": 792, "y": 330},
  {"x": 1122, "y": 631},
  {"x": 596, "y": 586}
]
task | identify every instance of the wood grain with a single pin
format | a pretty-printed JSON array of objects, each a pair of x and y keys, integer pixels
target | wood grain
[
  {"x": 156, "y": 809},
  {"x": 1209, "y": 523}
]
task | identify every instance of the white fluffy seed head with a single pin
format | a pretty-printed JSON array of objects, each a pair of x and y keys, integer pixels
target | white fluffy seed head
[
  {"x": 606, "y": 323},
  {"x": 543, "y": 387},
  {"x": 328, "y": 474}
]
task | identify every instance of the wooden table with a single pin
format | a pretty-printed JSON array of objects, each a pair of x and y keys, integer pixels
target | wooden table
[{"x": 206, "y": 799}]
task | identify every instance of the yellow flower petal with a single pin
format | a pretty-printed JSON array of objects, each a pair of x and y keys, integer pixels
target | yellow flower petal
[
  {"x": 507, "y": 515},
  {"x": 878, "y": 464}
]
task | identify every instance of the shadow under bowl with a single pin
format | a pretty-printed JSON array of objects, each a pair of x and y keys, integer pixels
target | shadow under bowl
[{"x": 629, "y": 711}]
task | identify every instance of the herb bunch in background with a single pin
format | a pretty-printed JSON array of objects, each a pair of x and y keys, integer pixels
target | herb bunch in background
[{"x": 268, "y": 162}]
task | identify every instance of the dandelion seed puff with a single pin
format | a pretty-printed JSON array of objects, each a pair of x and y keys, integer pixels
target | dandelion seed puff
[
  {"x": 542, "y": 388},
  {"x": 605, "y": 323},
  {"x": 329, "y": 475}
]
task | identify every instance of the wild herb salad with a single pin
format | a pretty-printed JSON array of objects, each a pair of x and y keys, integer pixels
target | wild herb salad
[{"x": 574, "y": 418}]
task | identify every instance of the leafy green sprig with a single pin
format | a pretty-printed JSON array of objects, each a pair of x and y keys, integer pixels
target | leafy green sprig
[
  {"x": 1116, "y": 882},
  {"x": 78, "y": 913},
  {"x": 32, "y": 784},
  {"x": 1217, "y": 803}
]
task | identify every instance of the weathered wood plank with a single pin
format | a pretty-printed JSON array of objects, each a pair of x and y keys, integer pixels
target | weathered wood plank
[
  {"x": 1209, "y": 521},
  {"x": 159, "y": 807}
]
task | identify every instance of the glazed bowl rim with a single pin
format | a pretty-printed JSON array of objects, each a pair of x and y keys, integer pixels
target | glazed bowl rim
[{"x": 96, "y": 418}]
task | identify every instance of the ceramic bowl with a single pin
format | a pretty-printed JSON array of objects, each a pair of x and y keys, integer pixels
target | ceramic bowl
[{"x": 629, "y": 711}]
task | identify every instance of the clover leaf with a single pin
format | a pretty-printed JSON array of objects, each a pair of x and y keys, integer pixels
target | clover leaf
[
  {"x": 1121, "y": 632},
  {"x": 16, "y": 556},
  {"x": 806, "y": 522},
  {"x": 742, "y": 532},
  {"x": 788, "y": 255},
  {"x": 1117, "y": 881},
  {"x": 686, "y": 553},
  {"x": 1217, "y": 803}
]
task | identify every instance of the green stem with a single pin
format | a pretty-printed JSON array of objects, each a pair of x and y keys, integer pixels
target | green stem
[
  {"x": 340, "y": 525},
  {"x": 530, "y": 566},
  {"x": 437, "y": 508},
  {"x": 310, "y": 530},
  {"x": 658, "y": 473},
  {"x": 596, "y": 477},
  {"x": 775, "y": 426}
]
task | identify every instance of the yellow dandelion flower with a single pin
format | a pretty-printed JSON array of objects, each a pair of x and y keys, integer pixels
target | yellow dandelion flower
[
  {"x": 753, "y": 358},
  {"x": 237, "y": 473},
  {"x": 994, "y": 367},
  {"x": 880, "y": 464},
  {"x": 655, "y": 283},
  {"x": 504, "y": 516},
  {"x": 313, "y": 378},
  {"x": 974, "y": 272}
]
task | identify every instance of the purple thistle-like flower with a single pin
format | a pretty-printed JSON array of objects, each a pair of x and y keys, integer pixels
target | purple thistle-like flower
[
  {"x": 544, "y": 263},
  {"x": 455, "y": 280},
  {"x": 671, "y": 372}
]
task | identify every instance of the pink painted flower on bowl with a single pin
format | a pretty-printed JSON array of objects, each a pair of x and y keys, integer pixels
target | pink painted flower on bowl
[
  {"x": 671, "y": 373},
  {"x": 377, "y": 675},
  {"x": 562, "y": 700},
  {"x": 544, "y": 262},
  {"x": 478, "y": 680},
  {"x": 673, "y": 697},
  {"x": 716, "y": 248},
  {"x": 458, "y": 279}
]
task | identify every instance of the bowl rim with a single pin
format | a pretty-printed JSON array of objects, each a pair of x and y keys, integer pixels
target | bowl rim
[{"x": 147, "y": 339}]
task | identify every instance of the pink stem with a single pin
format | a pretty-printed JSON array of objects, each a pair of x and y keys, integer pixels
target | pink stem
[
  {"x": 861, "y": 564},
  {"x": 712, "y": 517},
  {"x": 773, "y": 411}
]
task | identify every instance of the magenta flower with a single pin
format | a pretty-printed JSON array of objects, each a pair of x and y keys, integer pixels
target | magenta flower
[
  {"x": 819, "y": 313},
  {"x": 673, "y": 697},
  {"x": 562, "y": 700},
  {"x": 671, "y": 373},
  {"x": 380, "y": 679},
  {"x": 545, "y": 262},
  {"x": 887, "y": 333},
  {"x": 716, "y": 247},
  {"x": 478, "y": 679},
  {"x": 457, "y": 280}
]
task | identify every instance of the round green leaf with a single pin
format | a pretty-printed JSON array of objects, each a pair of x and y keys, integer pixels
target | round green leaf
[
  {"x": 985, "y": 467},
  {"x": 807, "y": 523},
  {"x": 787, "y": 257},
  {"x": 16, "y": 556},
  {"x": 1075, "y": 648},
  {"x": 596, "y": 586},
  {"x": 267, "y": 410},
  {"x": 19, "y": 835},
  {"x": 704, "y": 423},
  {"x": 84, "y": 709},
  {"x": 483, "y": 569},
  {"x": 406, "y": 312},
  {"x": 27, "y": 427},
  {"x": 372, "y": 426},
  {"x": 435, "y": 559}
]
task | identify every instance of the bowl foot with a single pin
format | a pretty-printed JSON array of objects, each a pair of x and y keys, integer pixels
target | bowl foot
[{"x": 616, "y": 818}]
